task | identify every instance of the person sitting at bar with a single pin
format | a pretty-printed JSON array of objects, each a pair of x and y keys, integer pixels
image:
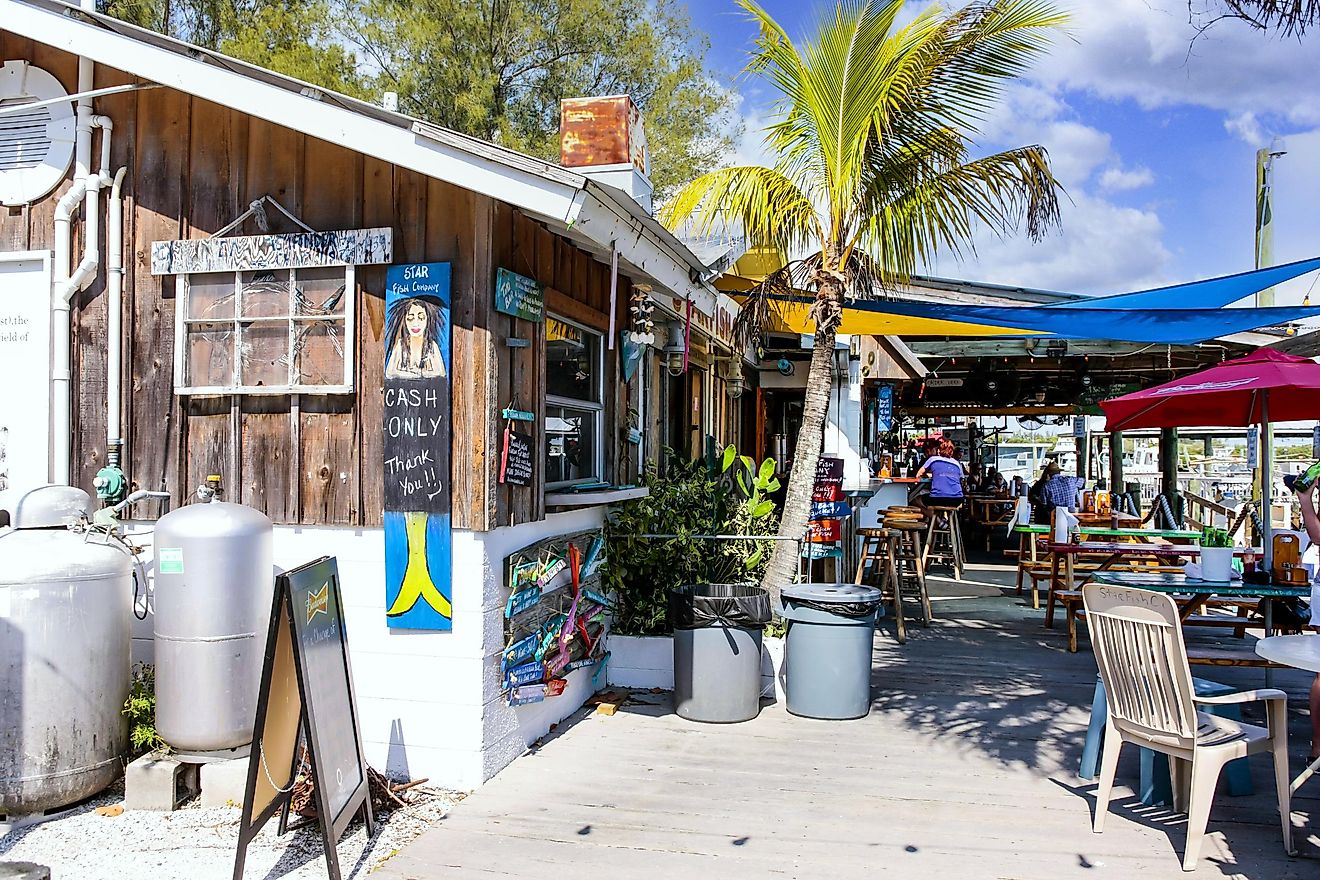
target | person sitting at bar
[
  {"x": 994, "y": 483},
  {"x": 1312, "y": 522},
  {"x": 946, "y": 478},
  {"x": 1052, "y": 490}
]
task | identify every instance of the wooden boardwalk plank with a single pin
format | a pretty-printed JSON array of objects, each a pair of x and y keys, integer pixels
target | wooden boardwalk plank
[{"x": 966, "y": 765}]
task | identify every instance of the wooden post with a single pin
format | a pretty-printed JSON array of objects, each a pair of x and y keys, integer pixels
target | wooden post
[
  {"x": 1169, "y": 472},
  {"x": 1116, "y": 462}
]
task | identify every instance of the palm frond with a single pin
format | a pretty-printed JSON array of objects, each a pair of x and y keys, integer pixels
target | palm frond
[{"x": 769, "y": 207}]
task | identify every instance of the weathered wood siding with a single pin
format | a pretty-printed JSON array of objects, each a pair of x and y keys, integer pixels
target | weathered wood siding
[{"x": 193, "y": 167}]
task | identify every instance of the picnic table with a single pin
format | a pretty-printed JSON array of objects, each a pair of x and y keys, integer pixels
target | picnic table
[
  {"x": 989, "y": 511},
  {"x": 1192, "y": 593},
  {"x": 1029, "y": 561},
  {"x": 1107, "y": 554}
]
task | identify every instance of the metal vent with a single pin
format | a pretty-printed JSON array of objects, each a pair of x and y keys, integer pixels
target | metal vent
[
  {"x": 24, "y": 141},
  {"x": 36, "y": 142}
]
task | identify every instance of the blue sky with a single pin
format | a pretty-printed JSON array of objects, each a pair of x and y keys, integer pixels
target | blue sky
[{"x": 1153, "y": 134}]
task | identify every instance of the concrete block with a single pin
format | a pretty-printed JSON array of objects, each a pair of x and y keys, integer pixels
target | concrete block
[
  {"x": 158, "y": 783},
  {"x": 224, "y": 783},
  {"x": 23, "y": 871}
]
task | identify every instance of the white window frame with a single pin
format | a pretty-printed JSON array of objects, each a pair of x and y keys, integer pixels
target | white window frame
[
  {"x": 290, "y": 318},
  {"x": 597, "y": 410}
]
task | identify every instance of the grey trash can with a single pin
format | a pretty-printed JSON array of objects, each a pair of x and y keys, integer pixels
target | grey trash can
[
  {"x": 827, "y": 653},
  {"x": 717, "y": 650}
]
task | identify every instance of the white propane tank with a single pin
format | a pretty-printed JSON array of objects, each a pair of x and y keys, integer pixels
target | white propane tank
[
  {"x": 214, "y": 585},
  {"x": 65, "y": 613}
]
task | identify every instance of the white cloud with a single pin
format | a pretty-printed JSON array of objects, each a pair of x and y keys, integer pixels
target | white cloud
[
  {"x": 1102, "y": 248},
  {"x": 1246, "y": 126},
  {"x": 1122, "y": 179},
  {"x": 1148, "y": 51}
]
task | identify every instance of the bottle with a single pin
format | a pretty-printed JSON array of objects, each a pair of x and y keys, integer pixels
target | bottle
[{"x": 1306, "y": 479}]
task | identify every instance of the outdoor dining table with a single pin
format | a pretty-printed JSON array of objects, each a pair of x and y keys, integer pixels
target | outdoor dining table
[
  {"x": 1196, "y": 592},
  {"x": 1027, "y": 547},
  {"x": 1299, "y": 652},
  {"x": 1064, "y": 556},
  {"x": 989, "y": 511}
]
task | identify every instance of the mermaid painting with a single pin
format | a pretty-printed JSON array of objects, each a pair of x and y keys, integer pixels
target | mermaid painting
[{"x": 414, "y": 327}]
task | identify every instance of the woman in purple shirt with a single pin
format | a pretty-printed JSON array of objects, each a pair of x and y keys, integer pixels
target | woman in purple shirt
[{"x": 946, "y": 477}]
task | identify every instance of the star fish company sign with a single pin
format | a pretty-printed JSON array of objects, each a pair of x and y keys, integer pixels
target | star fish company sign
[{"x": 418, "y": 588}]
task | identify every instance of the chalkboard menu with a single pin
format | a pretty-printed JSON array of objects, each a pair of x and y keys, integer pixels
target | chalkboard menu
[
  {"x": 516, "y": 459},
  {"x": 306, "y": 690},
  {"x": 417, "y": 425}
]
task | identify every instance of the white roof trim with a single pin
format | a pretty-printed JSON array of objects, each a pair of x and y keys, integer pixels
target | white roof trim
[{"x": 546, "y": 191}]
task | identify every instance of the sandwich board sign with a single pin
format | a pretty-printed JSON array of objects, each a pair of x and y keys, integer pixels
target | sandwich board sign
[{"x": 306, "y": 695}]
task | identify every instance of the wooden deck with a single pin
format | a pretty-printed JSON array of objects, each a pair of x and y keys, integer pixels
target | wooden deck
[{"x": 965, "y": 768}]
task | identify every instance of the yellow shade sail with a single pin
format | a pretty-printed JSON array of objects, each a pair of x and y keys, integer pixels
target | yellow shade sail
[{"x": 795, "y": 317}]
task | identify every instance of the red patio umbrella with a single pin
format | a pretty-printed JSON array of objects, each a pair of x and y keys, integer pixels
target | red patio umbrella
[{"x": 1264, "y": 386}]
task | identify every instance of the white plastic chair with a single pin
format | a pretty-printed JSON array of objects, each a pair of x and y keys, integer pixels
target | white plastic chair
[{"x": 1138, "y": 643}]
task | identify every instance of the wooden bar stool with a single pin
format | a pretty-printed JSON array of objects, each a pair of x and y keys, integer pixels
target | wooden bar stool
[
  {"x": 944, "y": 540},
  {"x": 908, "y": 568},
  {"x": 879, "y": 550}
]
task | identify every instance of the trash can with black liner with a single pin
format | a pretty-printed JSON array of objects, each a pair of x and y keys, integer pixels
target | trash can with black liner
[
  {"x": 827, "y": 651},
  {"x": 717, "y": 650}
]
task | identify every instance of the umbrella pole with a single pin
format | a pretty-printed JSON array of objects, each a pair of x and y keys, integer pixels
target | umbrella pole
[{"x": 1266, "y": 481}]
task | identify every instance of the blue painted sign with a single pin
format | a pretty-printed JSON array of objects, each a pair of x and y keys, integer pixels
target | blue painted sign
[
  {"x": 519, "y": 296},
  {"x": 418, "y": 589},
  {"x": 884, "y": 409}
]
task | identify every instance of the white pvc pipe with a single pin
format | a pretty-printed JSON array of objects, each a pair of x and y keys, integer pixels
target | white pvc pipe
[{"x": 114, "y": 283}]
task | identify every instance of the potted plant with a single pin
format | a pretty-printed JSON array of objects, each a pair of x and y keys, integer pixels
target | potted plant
[
  {"x": 663, "y": 544},
  {"x": 1216, "y": 555}
]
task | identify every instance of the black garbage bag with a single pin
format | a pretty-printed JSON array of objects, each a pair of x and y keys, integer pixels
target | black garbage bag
[
  {"x": 841, "y": 609},
  {"x": 701, "y": 605}
]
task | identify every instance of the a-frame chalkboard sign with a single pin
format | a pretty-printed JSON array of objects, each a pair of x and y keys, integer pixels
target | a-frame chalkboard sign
[{"x": 306, "y": 691}]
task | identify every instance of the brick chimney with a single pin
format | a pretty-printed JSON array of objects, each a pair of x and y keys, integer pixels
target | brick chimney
[{"x": 603, "y": 138}]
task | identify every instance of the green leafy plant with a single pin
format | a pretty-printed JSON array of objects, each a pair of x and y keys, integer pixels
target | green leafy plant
[
  {"x": 1212, "y": 537},
  {"x": 140, "y": 709},
  {"x": 727, "y": 496}
]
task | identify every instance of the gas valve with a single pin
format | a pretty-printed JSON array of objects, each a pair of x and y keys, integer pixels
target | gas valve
[{"x": 111, "y": 485}]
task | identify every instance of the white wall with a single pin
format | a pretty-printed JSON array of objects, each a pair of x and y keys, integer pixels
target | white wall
[{"x": 429, "y": 703}]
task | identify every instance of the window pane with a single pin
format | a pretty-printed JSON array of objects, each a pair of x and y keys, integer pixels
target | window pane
[
  {"x": 570, "y": 444},
  {"x": 210, "y": 350},
  {"x": 265, "y": 354},
  {"x": 319, "y": 353},
  {"x": 265, "y": 294},
  {"x": 211, "y": 295},
  {"x": 572, "y": 357},
  {"x": 319, "y": 291}
]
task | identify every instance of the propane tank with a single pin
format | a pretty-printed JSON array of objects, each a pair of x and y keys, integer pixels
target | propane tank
[
  {"x": 66, "y": 599},
  {"x": 212, "y": 598}
]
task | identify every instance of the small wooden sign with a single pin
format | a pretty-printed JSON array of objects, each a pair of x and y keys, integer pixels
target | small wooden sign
[
  {"x": 519, "y": 296},
  {"x": 306, "y": 694},
  {"x": 516, "y": 459}
]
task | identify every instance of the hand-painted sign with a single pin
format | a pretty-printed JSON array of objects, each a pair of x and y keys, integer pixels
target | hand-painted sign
[
  {"x": 884, "y": 409},
  {"x": 519, "y": 296},
  {"x": 298, "y": 250},
  {"x": 554, "y": 615},
  {"x": 516, "y": 459},
  {"x": 416, "y": 448}
]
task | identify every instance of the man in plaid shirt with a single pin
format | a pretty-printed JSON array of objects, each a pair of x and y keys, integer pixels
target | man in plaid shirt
[{"x": 1052, "y": 490}]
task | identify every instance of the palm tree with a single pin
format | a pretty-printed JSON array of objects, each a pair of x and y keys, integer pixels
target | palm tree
[{"x": 872, "y": 174}]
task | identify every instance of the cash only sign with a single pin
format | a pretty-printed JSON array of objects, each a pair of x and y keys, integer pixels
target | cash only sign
[{"x": 417, "y": 425}]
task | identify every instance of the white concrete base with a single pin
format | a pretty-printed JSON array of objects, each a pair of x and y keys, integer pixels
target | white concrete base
[
  {"x": 641, "y": 661},
  {"x": 224, "y": 783},
  {"x": 648, "y": 662},
  {"x": 772, "y": 669}
]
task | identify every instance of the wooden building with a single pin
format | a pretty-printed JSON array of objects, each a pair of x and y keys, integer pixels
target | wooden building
[{"x": 293, "y": 418}]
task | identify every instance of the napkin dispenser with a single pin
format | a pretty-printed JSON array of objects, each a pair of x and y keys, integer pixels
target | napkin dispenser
[{"x": 1288, "y": 559}]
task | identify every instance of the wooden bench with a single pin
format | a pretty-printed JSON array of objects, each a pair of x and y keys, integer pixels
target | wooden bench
[
  {"x": 1227, "y": 657},
  {"x": 1071, "y": 600}
]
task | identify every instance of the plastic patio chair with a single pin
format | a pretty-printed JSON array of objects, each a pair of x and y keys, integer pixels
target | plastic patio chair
[{"x": 1138, "y": 643}]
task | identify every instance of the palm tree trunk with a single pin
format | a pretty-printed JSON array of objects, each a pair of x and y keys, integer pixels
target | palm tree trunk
[{"x": 784, "y": 561}]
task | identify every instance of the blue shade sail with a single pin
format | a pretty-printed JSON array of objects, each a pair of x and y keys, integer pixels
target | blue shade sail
[
  {"x": 1184, "y": 326},
  {"x": 1209, "y": 293}
]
